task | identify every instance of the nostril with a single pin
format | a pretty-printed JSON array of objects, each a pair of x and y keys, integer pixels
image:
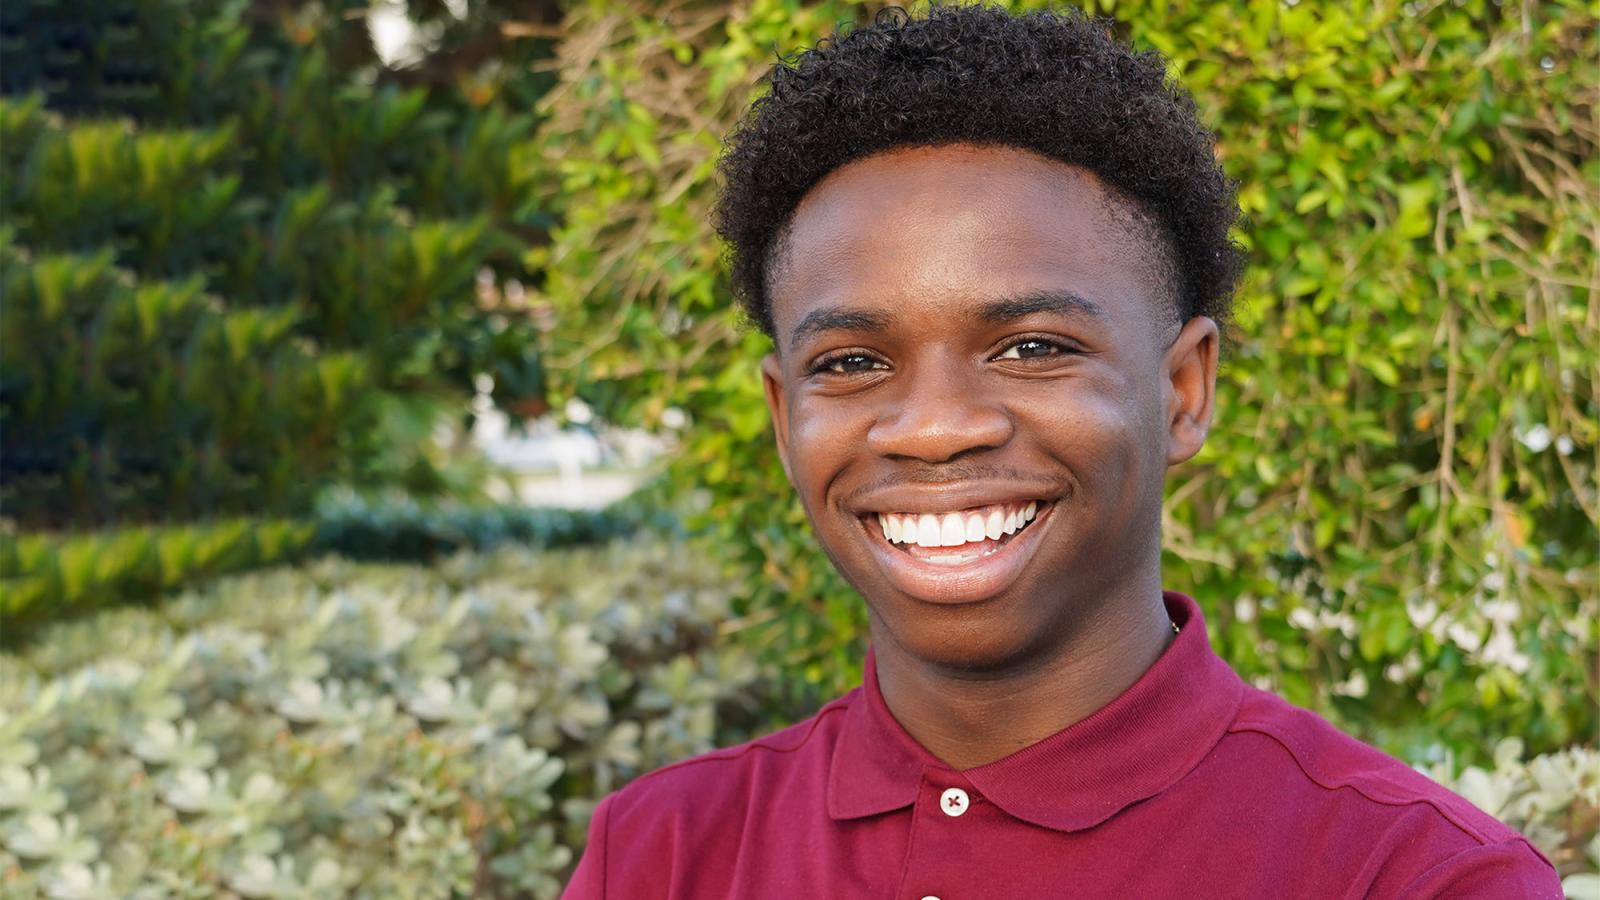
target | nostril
[{"x": 936, "y": 436}]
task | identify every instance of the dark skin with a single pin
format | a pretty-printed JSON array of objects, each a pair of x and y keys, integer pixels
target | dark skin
[{"x": 960, "y": 326}]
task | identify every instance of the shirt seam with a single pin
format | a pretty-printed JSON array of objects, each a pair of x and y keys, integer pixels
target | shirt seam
[
  {"x": 1330, "y": 784},
  {"x": 1510, "y": 844},
  {"x": 911, "y": 845}
]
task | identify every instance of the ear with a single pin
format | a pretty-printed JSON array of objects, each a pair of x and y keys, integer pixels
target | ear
[
  {"x": 1191, "y": 387},
  {"x": 777, "y": 406}
]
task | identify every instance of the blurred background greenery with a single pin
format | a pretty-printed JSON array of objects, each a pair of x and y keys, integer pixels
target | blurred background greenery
[{"x": 269, "y": 267}]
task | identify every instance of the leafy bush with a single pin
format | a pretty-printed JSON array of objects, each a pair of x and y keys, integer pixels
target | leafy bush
[
  {"x": 50, "y": 575},
  {"x": 46, "y": 576},
  {"x": 236, "y": 238},
  {"x": 386, "y": 731},
  {"x": 1394, "y": 520},
  {"x": 399, "y": 527}
]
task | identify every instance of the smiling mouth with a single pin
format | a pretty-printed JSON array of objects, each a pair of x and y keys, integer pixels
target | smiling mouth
[{"x": 958, "y": 538}]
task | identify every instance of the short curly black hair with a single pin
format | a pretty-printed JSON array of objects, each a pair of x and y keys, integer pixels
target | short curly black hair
[{"x": 1055, "y": 83}]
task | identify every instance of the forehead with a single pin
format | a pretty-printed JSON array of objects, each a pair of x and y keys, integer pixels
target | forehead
[{"x": 937, "y": 229}]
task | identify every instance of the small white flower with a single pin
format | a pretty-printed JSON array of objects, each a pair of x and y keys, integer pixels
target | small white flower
[
  {"x": 1465, "y": 637},
  {"x": 1244, "y": 609},
  {"x": 1537, "y": 438},
  {"x": 1354, "y": 686}
]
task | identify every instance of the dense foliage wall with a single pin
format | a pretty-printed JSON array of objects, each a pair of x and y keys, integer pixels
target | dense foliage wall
[
  {"x": 241, "y": 254},
  {"x": 1394, "y": 520}
]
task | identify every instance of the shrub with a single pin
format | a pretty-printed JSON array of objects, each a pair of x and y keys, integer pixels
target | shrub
[
  {"x": 1394, "y": 519},
  {"x": 45, "y": 576},
  {"x": 376, "y": 730},
  {"x": 399, "y": 527},
  {"x": 53, "y": 575},
  {"x": 236, "y": 240}
]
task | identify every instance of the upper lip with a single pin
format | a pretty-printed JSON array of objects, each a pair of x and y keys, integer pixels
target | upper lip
[{"x": 949, "y": 497}]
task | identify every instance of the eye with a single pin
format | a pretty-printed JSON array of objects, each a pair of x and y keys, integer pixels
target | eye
[
  {"x": 1034, "y": 348},
  {"x": 846, "y": 364}
]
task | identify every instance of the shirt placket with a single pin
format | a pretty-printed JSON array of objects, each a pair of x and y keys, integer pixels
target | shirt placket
[{"x": 948, "y": 829}]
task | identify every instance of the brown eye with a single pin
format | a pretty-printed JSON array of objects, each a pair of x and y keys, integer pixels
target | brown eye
[
  {"x": 1032, "y": 348},
  {"x": 849, "y": 364}
]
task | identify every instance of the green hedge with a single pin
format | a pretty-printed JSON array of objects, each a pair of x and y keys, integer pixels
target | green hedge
[
  {"x": 360, "y": 730},
  {"x": 398, "y": 527},
  {"x": 1394, "y": 520},
  {"x": 386, "y": 731},
  {"x": 235, "y": 241},
  {"x": 48, "y": 576},
  {"x": 45, "y": 576}
]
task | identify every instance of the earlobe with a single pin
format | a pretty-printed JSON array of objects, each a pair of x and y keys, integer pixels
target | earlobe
[
  {"x": 1191, "y": 369},
  {"x": 777, "y": 407}
]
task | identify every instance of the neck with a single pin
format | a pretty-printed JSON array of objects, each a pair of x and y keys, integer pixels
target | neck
[{"x": 968, "y": 719}]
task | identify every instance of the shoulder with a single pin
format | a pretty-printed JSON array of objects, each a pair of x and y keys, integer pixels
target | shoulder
[
  {"x": 1424, "y": 840},
  {"x": 706, "y": 786},
  {"x": 664, "y": 827},
  {"x": 1334, "y": 761}
]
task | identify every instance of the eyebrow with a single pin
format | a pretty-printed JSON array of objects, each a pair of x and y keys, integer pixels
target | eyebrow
[
  {"x": 836, "y": 318},
  {"x": 1063, "y": 303}
]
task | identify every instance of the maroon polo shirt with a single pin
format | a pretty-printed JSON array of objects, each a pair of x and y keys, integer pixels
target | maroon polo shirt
[{"x": 1189, "y": 784}]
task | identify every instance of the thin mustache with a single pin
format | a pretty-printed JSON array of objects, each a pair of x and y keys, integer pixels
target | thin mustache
[{"x": 949, "y": 473}]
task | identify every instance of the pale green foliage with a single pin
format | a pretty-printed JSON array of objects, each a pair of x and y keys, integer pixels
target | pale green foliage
[
  {"x": 1394, "y": 519},
  {"x": 344, "y": 729},
  {"x": 1553, "y": 800}
]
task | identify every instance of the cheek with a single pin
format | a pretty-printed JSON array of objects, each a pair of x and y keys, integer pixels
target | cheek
[
  {"x": 1106, "y": 433},
  {"x": 821, "y": 436}
]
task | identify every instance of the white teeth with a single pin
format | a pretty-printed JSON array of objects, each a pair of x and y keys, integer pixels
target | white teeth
[
  {"x": 955, "y": 529},
  {"x": 952, "y": 530}
]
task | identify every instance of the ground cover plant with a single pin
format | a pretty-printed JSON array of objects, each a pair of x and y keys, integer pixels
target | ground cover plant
[{"x": 355, "y": 729}]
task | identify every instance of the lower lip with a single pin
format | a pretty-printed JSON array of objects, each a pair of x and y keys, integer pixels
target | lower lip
[{"x": 969, "y": 582}]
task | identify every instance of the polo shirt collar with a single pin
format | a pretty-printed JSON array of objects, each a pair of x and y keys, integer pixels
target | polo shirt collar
[{"x": 1136, "y": 746}]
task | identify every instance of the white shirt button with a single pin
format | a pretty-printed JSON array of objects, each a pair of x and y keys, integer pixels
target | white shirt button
[
  {"x": 930, "y": 897},
  {"x": 954, "y": 802}
]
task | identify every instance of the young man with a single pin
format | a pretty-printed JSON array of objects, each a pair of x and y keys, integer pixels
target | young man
[{"x": 992, "y": 252}]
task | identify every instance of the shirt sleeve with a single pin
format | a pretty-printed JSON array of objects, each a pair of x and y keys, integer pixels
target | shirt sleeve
[
  {"x": 588, "y": 881},
  {"x": 1509, "y": 870}
]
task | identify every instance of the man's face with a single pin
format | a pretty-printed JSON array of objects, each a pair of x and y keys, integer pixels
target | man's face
[{"x": 979, "y": 384}]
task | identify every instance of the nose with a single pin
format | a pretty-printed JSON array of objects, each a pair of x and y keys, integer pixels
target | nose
[{"x": 940, "y": 413}]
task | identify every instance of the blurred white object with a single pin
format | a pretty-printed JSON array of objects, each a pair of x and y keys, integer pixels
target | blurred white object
[{"x": 586, "y": 465}]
